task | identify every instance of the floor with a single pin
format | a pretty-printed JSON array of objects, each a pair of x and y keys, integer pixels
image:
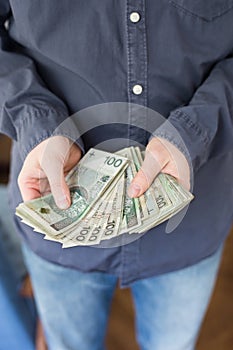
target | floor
[{"x": 217, "y": 329}]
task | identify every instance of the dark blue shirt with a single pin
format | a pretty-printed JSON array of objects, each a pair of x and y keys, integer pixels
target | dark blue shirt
[{"x": 59, "y": 57}]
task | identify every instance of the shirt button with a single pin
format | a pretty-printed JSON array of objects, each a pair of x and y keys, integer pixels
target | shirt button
[
  {"x": 134, "y": 17},
  {"x": 137, "y": 89}
]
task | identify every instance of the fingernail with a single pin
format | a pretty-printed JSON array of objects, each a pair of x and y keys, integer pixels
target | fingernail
[
  {"x": 62, "y": 202},
  {"x": 134, "y": 190}
]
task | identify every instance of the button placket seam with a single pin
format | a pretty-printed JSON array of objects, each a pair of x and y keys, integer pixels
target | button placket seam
[{"x": 131, "y": 253}]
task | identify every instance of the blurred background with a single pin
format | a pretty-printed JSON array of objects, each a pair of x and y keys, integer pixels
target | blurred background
[
  {"x": 5, "y": 145},
  {"x": 217, "y": 329}
]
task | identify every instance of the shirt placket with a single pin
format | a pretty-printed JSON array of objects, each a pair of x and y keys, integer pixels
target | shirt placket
[{"x": 137, "y": 95}]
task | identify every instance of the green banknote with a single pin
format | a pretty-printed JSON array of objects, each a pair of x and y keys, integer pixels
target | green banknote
[{"x": 100, "y": 206}]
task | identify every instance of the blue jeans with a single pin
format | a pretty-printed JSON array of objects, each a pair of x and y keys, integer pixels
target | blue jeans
[
  {"x": 74, "y": 306},
  {"x": 17, "y": 314}
]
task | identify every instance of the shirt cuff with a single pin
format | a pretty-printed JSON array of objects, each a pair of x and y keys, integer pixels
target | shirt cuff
[
  {"x": 189, "y": 138},
  {"x": 42, "y": 123}
]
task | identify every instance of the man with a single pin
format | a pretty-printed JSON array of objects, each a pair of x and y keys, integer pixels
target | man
[{"x": 174, "y": 57}]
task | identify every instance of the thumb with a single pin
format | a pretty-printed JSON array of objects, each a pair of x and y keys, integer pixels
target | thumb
[
  {"x": 149, "y": 170},
  {"x": 60, "y": 190}
]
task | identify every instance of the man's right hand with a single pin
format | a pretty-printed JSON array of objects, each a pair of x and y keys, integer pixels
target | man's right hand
[{"x": 45, "y": 167}]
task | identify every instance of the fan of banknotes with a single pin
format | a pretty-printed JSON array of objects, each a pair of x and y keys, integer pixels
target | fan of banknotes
[{"x": 101, "y": 209}]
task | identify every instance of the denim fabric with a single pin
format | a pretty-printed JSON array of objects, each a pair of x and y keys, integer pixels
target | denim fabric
[
  {"x": 57, "y": 58},
  {"x": 18, "y": 315},
  {"x": 74, "y": 306}
]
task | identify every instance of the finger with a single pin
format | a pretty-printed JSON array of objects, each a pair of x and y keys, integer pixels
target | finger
[
  {"x": 145, "y": 176},
  {"x": 179, "y": 168},
  {"x": 29, "y": 193},
  {"x": 44, "y": 186},
  {"x": 60, "y": 191},
  {"x": 40, "y": 337},
  {"x": 28, "y": 188},
  {"x": 183, "y": 180}
]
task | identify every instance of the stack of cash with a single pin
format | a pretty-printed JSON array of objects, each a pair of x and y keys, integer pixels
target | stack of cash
[{"x": 101, "y": 208}]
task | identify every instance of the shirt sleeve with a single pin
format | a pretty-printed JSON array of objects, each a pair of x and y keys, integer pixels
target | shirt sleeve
[
  {"x": 29, "y": 112},
  {"x": 205, "y": 125}
]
